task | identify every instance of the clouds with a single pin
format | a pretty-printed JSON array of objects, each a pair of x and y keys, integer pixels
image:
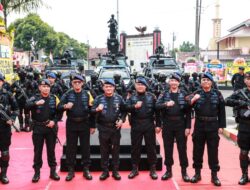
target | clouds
[{"x": 87, "y": 19}]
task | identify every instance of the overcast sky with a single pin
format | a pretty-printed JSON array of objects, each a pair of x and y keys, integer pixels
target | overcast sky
[{"x": 86, "y": 20}]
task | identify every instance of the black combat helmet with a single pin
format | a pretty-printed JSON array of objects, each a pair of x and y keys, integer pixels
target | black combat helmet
[
  {"x": 94, "y": 77},
  {"x": 117, "y": 77},
  {"x": 156, "y": 76},
  {"x": 59, "y": 74},
  {"x": 36, "y": 74},
  {"x": 185, "y": 76},
  {"x": 195, "y": 75},
  {"x": 22, "y": 74},
  {"x": 162, "y": 77},
  {"x": 30, "y": 76}
]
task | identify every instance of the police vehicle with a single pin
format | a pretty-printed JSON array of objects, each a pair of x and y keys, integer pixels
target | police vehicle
[
  {"x": 112, "y": 60},
  {"x": 161, "y": 64},
  {"x": 107, "y": 72},
  {"x": 67, "y": 63}
]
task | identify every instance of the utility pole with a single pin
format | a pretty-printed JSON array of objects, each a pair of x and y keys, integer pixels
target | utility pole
[{"x": 174, "y": 38}]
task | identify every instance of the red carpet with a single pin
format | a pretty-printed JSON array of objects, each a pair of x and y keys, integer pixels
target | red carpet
[{"x": 20, "y": 171}]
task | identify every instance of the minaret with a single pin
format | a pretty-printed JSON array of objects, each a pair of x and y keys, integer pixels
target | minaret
[
  {"x": 217, "y": 21},
  {"x": 216, "y": 26}
]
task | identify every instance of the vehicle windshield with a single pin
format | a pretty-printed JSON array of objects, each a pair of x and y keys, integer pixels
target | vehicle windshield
[
  {"x": 168, "y": 63},
  {"x": 107, "y": 74},
  {"x": 119, "y": 62}
]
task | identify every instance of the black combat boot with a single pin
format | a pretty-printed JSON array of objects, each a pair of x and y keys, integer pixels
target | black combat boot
[
  {"x": 153, "y": 173},
  {"x": 53, "y": 174},
  {"x": 184, "y": 174},
  {"x": 168, "y": 174},
  {"x": 36, "y": 176},
  {"x": 244, "y": 177},
  {"x": 4, "y": 178},
  {"x": 134, "y": 172},
  {"x": 104, "y": 175},
  {"x": 116, "y": 175},
  {"x": 21, "y": 127},
  {"x": 214, "y": 179},
  {"x": 26, "y": 128},
  {"x": 196, "y": 177},
  {"x": 71, "y": 174},
  {"x": 86, "y": 173}
]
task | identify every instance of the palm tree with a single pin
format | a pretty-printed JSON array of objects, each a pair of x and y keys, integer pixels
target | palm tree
[{"x": 19, "y": 6}]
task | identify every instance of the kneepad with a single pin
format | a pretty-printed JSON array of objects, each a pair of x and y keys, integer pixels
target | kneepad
[
  {"x": 5, "y": 156},
  {"x": 243, "y": 155}
]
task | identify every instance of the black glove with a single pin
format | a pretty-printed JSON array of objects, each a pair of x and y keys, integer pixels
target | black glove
[{"x": 242, "y": 103}]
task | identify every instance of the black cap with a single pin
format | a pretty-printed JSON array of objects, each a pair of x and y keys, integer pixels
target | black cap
[
  {"x": 242, "y": 68},
  {"x": 44, "y": 82}
]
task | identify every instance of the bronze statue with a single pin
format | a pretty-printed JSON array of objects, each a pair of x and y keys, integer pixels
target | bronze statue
[{"x": 112, "y": 27}]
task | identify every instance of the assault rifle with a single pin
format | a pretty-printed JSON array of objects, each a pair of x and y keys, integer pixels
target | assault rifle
[{"x": 7, "y": 117}]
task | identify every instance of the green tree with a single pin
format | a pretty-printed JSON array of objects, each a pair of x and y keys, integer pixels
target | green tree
[
  {"x": 32, "y": 34},
  {"x": 187, "y": 47},
  {"x": 66, "y": 43},
  {"x": 19, "y": 6}
]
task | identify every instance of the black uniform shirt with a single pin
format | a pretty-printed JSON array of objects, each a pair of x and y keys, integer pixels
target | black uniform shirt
[
  {"x": 174, "y": 110},
  {"x": 43, "y": 112}
]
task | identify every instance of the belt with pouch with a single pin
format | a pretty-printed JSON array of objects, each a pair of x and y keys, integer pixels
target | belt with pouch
[
  {"x": 175, "y": 118},
  {"x": 107, "y": 124},
  {"x": 204, "y": 118},
  {"x": 244, "y": 121},
  {"x": 40, "y": 123},
  {"x": 77, "y": 119}
]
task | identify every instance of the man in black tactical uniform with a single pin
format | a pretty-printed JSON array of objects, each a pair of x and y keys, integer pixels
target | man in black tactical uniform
[
  {"x": 238, "y": 79},
  {"x": 94, "y": 85},
  {"x": 110, "y": 114},
  {"x": 195, "y": 82},
  {"x": 43, "y": 109},
  {"x": 31, "y": 88},
  {"x": 210, "y": 119},
  {"x": 144, "y": 123},
  {"x": 186, "y": 83},
  {"x": 6, "y": 84},
  {"x": 120, "y": 87},
  {"x": 9, "y": 105},
  {"x": 176, "y": 119},
  {"x": 131, "y": 85},
  {"x": 37, "y": 75},
  {"x": 161, "y": 85},
  {"x": 55, "y": 88},
  {"x": 79, "y": 124},
  {"x": 240, "y": 100},
  {"x": 19, "y": 88}
]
